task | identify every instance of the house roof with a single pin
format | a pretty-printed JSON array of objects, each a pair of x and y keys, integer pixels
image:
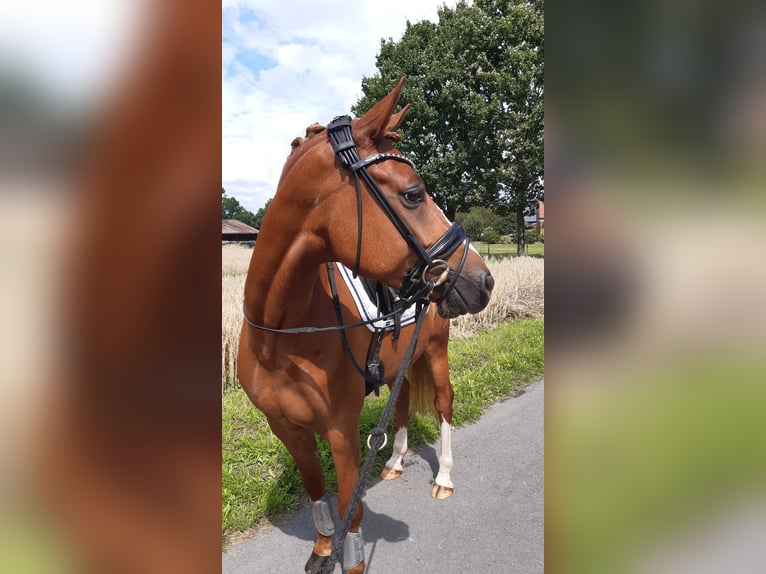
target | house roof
[{"x": 230, "y": 226}]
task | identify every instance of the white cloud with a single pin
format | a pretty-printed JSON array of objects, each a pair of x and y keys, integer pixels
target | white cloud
[{"x": 311, "y": 57}]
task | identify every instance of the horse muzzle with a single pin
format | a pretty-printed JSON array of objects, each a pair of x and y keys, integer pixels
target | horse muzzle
[{"x": 470, "y": 294}]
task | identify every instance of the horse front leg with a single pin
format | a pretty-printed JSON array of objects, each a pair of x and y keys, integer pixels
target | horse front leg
[
  {"x": 301, "y": 443},
  {"x": 394, "y": 468},
  {"x": 346, "y": 450},
  {"x": 324, "y": 524}
]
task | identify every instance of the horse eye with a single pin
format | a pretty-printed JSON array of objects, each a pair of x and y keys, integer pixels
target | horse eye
[{"x": 413, "y": 198}]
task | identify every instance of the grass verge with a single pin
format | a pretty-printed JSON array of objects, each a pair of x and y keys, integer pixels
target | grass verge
[
  {"x": 508, "y": 249},
  {"x": 259, "y": 476}
]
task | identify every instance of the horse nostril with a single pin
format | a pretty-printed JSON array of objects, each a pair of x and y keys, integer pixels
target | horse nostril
[{"x": 489, "y": 281}]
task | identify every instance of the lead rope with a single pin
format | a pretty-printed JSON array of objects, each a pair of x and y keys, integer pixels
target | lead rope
[{"x": 375, "y": 443}]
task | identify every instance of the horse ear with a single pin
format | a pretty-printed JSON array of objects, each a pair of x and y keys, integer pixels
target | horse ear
[
  {"x": 375, "y": 123},
  {"x": 396, "y": 119}
]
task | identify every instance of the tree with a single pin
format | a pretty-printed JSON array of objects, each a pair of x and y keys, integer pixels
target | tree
[
  {"x": 232, "y": 209},
  {"x": 260, "y": 213},
  {"x": 475, "y": 82},
  {"x": 473, "y": 225},
  {"x": 478, "y": 222}
]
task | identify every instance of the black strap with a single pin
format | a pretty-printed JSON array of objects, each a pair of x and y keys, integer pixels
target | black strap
[
  {"x": 375, "y": 370},
  {"x": 443, "y": 248},
  {"x": 376, "y": 442},
  {"x": 459, "y": 269},
  {"x": 385, "y": 299},
  {"x": 344, "y": 337},
  {"x": 401, "y": 304},
  {"x": 358, "y": 225},
  {"x": 309, "y": 330},
  {"x": 339, "y": 132}
]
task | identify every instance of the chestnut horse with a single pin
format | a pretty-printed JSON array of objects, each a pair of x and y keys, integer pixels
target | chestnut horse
[{"x": 389, "y": 230}]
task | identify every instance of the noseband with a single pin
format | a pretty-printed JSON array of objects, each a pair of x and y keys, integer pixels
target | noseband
[{"x": 431, "y": 269}]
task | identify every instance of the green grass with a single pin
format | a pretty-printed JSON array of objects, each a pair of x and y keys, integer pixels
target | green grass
[
  {"x": 259, "y": 476},
  {"x": 507, "y": 249}
]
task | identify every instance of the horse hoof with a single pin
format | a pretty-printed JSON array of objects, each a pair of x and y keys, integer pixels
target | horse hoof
[
  {"x": 358, "y": 569},
  {"x": 390, "y": 473},
  {"x": 315, "y": 564},
  {"x": 441, "y": 492}
]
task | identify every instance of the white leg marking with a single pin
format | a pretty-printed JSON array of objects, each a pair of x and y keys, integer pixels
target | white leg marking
[
  {"x": 445, "y": 456},
  {"x": 400, "y": 449}
]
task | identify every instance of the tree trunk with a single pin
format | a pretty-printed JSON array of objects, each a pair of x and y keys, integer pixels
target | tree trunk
[{"x": 520, "y": 231}]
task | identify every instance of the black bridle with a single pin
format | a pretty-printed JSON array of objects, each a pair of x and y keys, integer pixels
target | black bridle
[
  {"x": 417, "y": 282},
  {"x": 417, "y": 285},
  {"x": 420, "y": 280}
]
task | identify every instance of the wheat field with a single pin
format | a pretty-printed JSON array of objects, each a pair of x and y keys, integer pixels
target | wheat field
[{"x": 519, "y": 292}]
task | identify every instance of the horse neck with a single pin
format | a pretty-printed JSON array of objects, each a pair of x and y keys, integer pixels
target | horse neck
[
  {"x": 283, "y": 273},
  {"x": 285, "y": 265}
]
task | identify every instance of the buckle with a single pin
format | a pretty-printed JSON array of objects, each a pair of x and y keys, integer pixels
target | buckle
[{"x": 437, "y": 267}]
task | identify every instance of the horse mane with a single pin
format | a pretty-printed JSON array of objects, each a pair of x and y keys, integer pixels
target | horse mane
[
  {"x": 317, "y": 128},
  {"x": 311, "y": 131},
  {"x": 298, "y": 147}
]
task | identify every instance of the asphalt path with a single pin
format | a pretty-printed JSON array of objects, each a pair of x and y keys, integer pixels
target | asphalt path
[{"x": 493, "y": 523}]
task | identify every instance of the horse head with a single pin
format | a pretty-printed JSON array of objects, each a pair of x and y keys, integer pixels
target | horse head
[{"x": 395, "y": 233}]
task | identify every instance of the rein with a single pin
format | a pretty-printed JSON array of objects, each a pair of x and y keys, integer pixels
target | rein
[
  {"x": 405, "y": 303},
  {"x": 375, "y": 441},
  {"x": 307, "y": 330}
]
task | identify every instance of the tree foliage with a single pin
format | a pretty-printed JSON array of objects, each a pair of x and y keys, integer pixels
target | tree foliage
[
  {"x": 475, "y": 82},
  {"x": 232, "y": 209},
  {"x": 260, "y": 213},
  {"x": 479, "y": 221}
]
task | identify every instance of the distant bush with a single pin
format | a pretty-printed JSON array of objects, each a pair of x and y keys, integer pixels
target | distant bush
[
  {"x": 530, "y": 237},
  {"x": 489, "y": 235},
  {"x": 477, "y": 221}
]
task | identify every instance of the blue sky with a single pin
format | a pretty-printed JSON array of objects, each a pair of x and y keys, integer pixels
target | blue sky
[{"x": 286, "y": 65}]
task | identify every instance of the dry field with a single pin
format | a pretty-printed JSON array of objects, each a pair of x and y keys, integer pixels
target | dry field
[{"x": 519, "y": 292}]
